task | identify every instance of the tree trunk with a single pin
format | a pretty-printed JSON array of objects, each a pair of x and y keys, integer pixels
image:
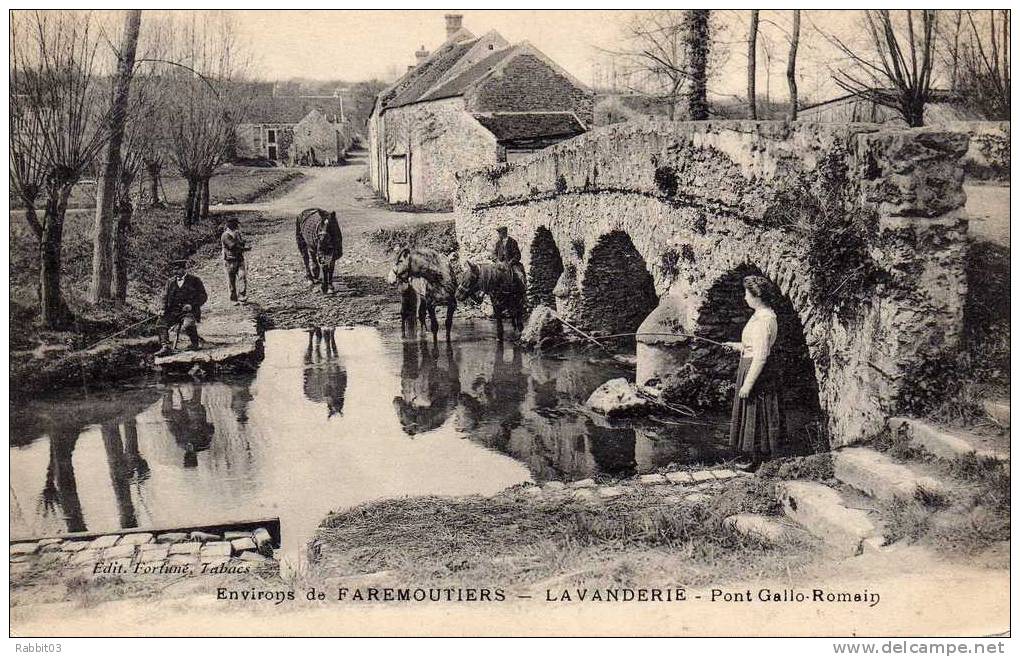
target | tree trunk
[
  {"x": 120, "y": 249},
  {"x": 189, "y": 204},
  {"x": 103, "y": 236},
  {"x": 752, "y": 46},
  {"x": 153, "y": 168},
  {"x": 52, "y": 310},
  {"x": 791, "y": 64},
  {"x": 204, "y": 203},
  {"x": 697, "y": 57}
]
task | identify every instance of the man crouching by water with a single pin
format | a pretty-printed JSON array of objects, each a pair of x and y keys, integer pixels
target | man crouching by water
[{"x": 182, "y": 304}]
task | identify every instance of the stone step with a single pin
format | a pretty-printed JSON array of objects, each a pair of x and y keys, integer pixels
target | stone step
[
  {"x": 950, "y": 443},
  {"x": 820, "y": 510},
  {"x": 998, "y": 410},
  {"x": 880, "y": 477},
  {"x": 771, "y": 530}
]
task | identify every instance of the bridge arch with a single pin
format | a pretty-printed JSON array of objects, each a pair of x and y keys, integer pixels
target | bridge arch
[
  {"x": 545, "y": 268},
  {"x": 617, "y": 289}
]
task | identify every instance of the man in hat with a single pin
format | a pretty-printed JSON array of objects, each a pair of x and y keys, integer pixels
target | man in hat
[
  {"x": 182, "y": 304},
  {"x": 233, "y": 261},
  {"x": 507, "y": 251}
]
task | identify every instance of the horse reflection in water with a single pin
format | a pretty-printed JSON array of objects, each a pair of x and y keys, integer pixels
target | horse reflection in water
[
  {"x": 490, "y": 408},
  {"x": 187, "y": 420},
  {"x": 428, "y": 389},
  {"x": 325, "y": 379}
]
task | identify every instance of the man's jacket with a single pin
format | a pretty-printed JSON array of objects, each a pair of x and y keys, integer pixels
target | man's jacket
[
  {"x": 507, "y": 251},
  {"x": 233, "y": 245},
  {"x": 191, "y": 292}
]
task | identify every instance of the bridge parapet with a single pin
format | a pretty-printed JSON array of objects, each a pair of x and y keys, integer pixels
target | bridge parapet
[{"x": 859, "y": 227}]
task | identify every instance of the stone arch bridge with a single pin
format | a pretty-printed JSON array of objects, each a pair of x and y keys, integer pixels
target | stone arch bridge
[{"x": 653, "y": 225}]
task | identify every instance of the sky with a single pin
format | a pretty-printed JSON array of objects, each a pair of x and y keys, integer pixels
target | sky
[{"x": 360, "y": 45}]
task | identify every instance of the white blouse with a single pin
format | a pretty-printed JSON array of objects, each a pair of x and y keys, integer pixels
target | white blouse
[{"x": 759, "y": 334}]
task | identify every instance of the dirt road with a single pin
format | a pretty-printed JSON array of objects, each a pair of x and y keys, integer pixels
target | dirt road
[{"x": 276, "y": 276}]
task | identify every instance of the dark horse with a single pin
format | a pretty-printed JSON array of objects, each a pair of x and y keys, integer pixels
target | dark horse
[
  {"x": 432, "y": 277},
  {"x": 319, "y": 232},
  {"x": 504, "y": 289}
]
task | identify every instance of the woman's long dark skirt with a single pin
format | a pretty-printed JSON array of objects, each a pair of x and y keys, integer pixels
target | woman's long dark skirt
[{"x": 757, "y": 426}]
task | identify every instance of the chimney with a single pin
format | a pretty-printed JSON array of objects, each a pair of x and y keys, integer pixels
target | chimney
[
  {"x": 453, "y": 24},
  {"x": 420, "y": 55}
]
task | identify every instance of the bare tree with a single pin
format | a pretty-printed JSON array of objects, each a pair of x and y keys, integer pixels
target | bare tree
[
  {"x": 984, "y": 60},
  {"x": 898, "y": 73},
  {"x": 752, "y": 46},
  {"x": 206, "y": 104},
  {"x": 791, "y": 64},
  {"x": 110, "y": 179},
  {"x": 59, "y": 123}
]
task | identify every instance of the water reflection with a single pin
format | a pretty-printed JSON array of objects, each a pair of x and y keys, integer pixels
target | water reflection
[
  {"x": 325, "y": 379},
  {"x": 428, "y": 387},
  {"x": 483, "y": 416}
]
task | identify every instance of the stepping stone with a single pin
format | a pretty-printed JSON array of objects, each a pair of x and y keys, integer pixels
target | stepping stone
[
  {"x": 239, "y": 545},
  {"x": 877, "y": 475},
  {"x": 230, "y": 536},
  {"x": 252, "y": 556},
  {"x": 702, "y": 475},
  {"x": 154, "y": 553},
  {"x": 951, "y": 443},
  {"x": 50, "y": 541},
  {"x": 698, "y": 498},
  {"x": 651, "y": 479},
  {"x": 583, "y": 483},
  {"x": 119, "y": 552},
  {"x": 184, "y": 560},
  {"x": 104, "y": 542},
  {"x": 215, "y": 550},
  {"x": 610, "y": 492},
  {"x": 203, "y": 537},
  {"x": 584, "y": 495},
  {"x": 998, "y": 410},
  {"x": 264, "y": 541},
  {"x": 50, "y": 547},
  {"x": 135, "y": 539},
  {"x": 764, "y": 528},
  {"x": 74, "y": 546},
  {"x": 724, "y": 474},
  {"x": 679, "y": 477},
  {"x": 86, "y": 556},
  {"x": 820, "y": 510},
  {"x": 185, "y": 548},
  {"x": 172, "y": 537},
  {"x": 19, "y": 549}
]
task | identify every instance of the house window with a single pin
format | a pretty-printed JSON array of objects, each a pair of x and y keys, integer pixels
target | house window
[
  {"x": 398, "y": 169},
  {"x": 272, "y": 151},
  {"x": 272, "y": 137}
]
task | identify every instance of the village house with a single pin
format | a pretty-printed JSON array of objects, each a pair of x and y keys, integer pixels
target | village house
[
  {"x": 474, "y": 102},
  {"x": 295, "y": 130}
]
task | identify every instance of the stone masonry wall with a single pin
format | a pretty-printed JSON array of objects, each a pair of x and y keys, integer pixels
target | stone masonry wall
[
  {"x": 859, "y": 227},
  {"x": 441, "y": 139}
]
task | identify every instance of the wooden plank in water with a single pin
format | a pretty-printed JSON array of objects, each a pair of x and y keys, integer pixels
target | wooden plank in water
[{"x": 272, "y": 525}]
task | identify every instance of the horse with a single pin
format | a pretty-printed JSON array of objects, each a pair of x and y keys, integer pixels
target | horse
[
  {"x": 503, "y": 287},
  {"x": 319, "y": 231},
  {"x": 434, "y": 277}
]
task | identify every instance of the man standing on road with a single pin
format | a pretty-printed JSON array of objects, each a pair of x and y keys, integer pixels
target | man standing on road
[
  {"x": 182, "y": 304},
  {"x": 233, "y": 261},
  {"x": 507, "y": 252}
]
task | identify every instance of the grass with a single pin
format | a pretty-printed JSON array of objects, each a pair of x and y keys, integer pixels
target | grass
[
  {"x": 637, "y": 538},
  {"x": 438, "y": 235}
]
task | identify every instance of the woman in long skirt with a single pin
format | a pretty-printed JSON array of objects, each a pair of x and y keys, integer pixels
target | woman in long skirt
[{"x": 757, "y": 425}]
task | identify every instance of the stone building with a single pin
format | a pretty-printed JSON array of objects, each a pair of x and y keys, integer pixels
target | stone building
[
  {"x": 295, "y": 130},
  {"x": 475, "y": 101}
]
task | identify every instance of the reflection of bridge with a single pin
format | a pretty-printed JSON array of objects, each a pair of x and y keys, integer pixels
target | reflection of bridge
[{"x": 858, "y": 227}]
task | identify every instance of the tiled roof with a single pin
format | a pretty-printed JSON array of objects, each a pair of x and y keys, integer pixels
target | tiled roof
[
  {"x": 459, "y": 84},
  {"x": 289, "y": 109},
  {"x": 509, "y": 127},
  {"x": 418, "y": 80}
]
